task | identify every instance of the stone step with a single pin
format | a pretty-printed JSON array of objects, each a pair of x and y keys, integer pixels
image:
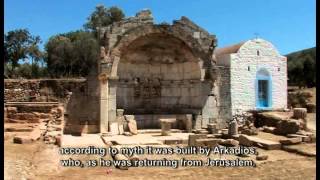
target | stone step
[
  {"x": 263, "y": 143},
  {"x": 290, "y": 141}
]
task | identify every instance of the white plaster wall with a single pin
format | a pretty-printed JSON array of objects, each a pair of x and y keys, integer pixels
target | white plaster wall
[{"x": 243, "y": 91}]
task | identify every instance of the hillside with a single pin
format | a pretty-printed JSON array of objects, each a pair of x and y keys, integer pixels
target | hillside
[{"x": 302, "y": 68}]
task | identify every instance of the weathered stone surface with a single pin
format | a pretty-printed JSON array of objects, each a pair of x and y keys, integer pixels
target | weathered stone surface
[
  {"x": 290, "y": 141},
  {"x": 193, "y": 137},
  {"x": 22, "y": 139}
]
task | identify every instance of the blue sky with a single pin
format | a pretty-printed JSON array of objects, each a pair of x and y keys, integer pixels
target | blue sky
[{"x": 289, "y": 24}]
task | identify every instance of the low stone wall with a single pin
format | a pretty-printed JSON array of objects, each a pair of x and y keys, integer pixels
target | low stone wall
[
  {"x": 45, "y": 118},
  {"x": 40, "y": 90}
]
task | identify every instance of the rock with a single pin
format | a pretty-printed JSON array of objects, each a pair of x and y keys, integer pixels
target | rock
[
  {"x": 303, "y": 137},
  {"x": 229, "y": 143},
  {"x": 299, "y": 113},
  {"x": 193, "y": 137},
  {"x": 285, "y": 127},
  {"x": 132, "y": 125},
  {"x": 267, "y": 119},
  {"x": 262, "y": 157},
  {"x": 243, "y": 140},
  {"x": 290, "y": 141},
  {"x": 268, "y": 129},
  {"x": 22, "y": 139},
  {"x": 311, "y": 108}
]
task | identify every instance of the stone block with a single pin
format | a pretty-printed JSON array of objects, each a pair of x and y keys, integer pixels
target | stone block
[
  {"x": 285, "y": 127},
  {"x": 263, "y": 143},
  {"x": 22, "y": 139},
  {"x": 243, "y": 140},
  {"x": 291, "y": 141},
  {"x": 261, "y": 157},
  {"x": 229, "y": 143},
  {"x": 193, "y": 137}
]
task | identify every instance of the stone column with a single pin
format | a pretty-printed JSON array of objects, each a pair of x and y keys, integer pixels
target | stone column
[
  {"x": 299, "y": 113},
  {"x": 233, "y": 128},
  {"x": 210, "y": 109},
  {"x": 188, "y": 123},
  {"x": 166, "y": 126},
  {"x": 104, "y": 106}
]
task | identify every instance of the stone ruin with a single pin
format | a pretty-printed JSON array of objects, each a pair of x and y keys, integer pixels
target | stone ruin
[{"x": 153, "y": 71}]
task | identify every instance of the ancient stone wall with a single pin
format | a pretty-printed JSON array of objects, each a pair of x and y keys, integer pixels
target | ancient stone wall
[{"x": 40, "y": 90}]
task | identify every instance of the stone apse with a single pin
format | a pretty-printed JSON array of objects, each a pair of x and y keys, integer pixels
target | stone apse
[{"x": 151, "y": 70}]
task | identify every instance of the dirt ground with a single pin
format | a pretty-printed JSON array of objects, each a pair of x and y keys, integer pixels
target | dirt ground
[{"x": 41, "y": 161}]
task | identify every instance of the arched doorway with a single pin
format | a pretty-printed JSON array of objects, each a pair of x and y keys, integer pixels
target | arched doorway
[{"x": 263, "y": 89}]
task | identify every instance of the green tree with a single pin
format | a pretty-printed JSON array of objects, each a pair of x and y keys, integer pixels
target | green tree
[
  {"x": 309, "y": 71},
  {"x": 35, "y": 54},
  {"x": 20, "y": 45},
  {"x": 16, "y": 44},
  {"x": 71, "y": 54},
  {"x": 103, "y": 16}
]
